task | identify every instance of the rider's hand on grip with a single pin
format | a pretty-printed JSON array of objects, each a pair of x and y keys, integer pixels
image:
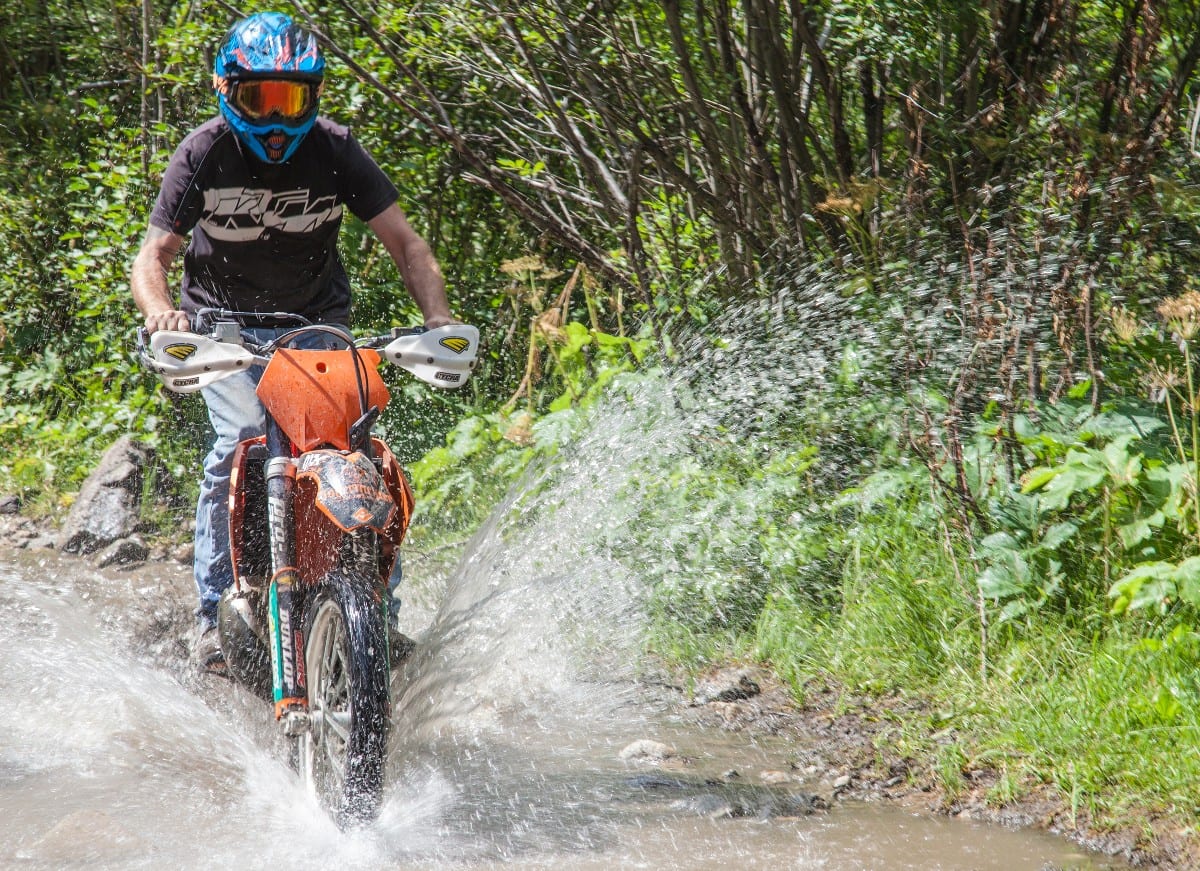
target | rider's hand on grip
[{"x": 168, "y": 320}]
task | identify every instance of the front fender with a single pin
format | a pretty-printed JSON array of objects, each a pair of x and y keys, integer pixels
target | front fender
[{"x": 349, "y": 489}]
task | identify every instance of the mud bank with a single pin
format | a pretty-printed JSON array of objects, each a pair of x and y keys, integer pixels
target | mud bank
[{"x": 847, "y": 747}]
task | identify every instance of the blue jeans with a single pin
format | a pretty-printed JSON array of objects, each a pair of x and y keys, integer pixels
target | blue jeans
[{"x": 236, "y": 414}]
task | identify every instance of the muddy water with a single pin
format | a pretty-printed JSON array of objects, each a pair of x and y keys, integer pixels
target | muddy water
[{"x": 505, "y": 751}]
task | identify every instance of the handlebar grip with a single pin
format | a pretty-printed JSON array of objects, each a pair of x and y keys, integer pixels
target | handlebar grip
[{"x": 383, "y": 341}]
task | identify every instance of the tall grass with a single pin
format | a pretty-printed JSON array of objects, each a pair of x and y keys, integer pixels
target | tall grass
[{"x": 1110, "y": 720}]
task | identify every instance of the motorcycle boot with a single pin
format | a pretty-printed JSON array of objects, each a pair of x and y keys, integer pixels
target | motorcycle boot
[
  {"x": 400, "y": 646},
  {"x": 240, "y": 630},
  {"x": 206, "y": 652}
]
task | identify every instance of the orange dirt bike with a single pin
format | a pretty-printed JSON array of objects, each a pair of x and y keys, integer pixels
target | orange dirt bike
[{"x": 318, "y": 508}]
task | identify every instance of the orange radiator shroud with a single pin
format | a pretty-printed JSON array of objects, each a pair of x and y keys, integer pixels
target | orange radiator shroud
[{"x": 313, "y": 395}]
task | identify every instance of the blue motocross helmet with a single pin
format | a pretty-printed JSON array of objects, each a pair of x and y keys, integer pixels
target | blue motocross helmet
[{"x": 268, "y": 77}]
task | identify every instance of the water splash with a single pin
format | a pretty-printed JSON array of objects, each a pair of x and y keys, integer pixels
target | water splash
[{"x": 510, "y": 717}]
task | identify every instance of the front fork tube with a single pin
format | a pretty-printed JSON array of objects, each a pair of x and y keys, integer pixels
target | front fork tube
[{"x": 287, "y": 635}]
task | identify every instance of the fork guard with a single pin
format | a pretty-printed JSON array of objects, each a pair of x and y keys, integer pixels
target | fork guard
[{"x": 350, "y": 491}]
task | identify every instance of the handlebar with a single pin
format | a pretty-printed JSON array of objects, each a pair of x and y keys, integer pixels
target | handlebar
[
  {"x": 222, "y": 325},
  {"x": 204, "y": 319},
  {"x": 187, "y": 361}
]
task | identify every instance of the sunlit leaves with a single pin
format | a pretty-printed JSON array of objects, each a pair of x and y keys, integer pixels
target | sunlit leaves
[{"x": 1158, "y": 584}]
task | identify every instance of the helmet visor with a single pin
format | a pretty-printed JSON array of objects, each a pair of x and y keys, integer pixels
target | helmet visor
[{"x": 262, "y": 98}]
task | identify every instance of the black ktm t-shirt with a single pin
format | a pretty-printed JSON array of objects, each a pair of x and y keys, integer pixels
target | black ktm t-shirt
[{"x": 263, "y": 236}]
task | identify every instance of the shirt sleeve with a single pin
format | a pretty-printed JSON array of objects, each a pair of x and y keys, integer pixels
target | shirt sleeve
[
  {"x": 177, "y": 208},
  {"x": 364, "y": 187}
]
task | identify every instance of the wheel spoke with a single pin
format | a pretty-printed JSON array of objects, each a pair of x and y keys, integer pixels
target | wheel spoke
[
  {"x": 330, "y": 656},
  {"x": 334, "y": 762},
  {"x": 338, "y": 722}
]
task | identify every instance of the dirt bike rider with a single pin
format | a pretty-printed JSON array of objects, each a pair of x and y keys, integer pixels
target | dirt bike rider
[{"x": 261, "y": 189}]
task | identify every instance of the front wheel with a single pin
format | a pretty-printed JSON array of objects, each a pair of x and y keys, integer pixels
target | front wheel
[{"x": 341, "y": 755}]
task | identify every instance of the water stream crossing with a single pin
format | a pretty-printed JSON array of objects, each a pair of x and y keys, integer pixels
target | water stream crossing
[{"x": 505, "y": 751}]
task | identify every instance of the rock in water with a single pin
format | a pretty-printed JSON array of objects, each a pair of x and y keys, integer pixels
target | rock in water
[
  {"x": 646, "y": 750},
  {"x": 107, "y": 507},
  {"x": 123, "y": 552},
  {"x": 727, "y": 685}
]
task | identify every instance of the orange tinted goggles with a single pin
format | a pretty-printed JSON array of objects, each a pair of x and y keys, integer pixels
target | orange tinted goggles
[{"x": 265, "y": 97}]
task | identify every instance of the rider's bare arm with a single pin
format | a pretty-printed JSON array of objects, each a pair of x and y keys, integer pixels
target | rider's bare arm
[
  {"x": 416, "y": 263},
  {"x": 148, "y": 280}
]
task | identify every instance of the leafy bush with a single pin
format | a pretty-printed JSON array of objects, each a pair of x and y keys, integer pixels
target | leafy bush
[{"x": 1096, "y": 504}]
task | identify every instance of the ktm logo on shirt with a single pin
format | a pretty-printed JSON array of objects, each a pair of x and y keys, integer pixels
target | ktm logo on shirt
[{"x": 240, "y": 214}]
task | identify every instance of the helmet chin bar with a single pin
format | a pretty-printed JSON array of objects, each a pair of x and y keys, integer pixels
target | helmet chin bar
[{"x": 275, "y": 144}]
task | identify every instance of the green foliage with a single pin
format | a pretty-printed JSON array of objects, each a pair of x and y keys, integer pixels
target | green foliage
[
  {"x": 1099, "y": 716},
  {"x": 65, "y": 337},
  {"x": 904, "y": 617},
  {"x": 950, "y": 766},
  {"x": 720, "y": 520},
  {"x": 1100, "y": 719},
  {"x": 1100, "y": 504},
  {"x": 461, "y": 480},
  {"x": 1158, "y": 584}
]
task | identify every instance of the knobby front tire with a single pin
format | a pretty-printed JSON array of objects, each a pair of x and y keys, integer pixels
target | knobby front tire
[{"x": 341, "y": 758}]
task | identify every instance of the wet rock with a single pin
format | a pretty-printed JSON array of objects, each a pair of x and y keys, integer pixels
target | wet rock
[
  {"x": 647, "y": 751},
  {"x": 727, "y": 685},
  {"x": 86, "y": 837},
  {"x": 184, "y": 553},
  {"x": 20, "y": 534},
  {"x": 39, "y": 542},
  {"x": 733, "y": 714},
  {"x": 107, "y": 507},
  {"x": 759, "y": 804},
  {"x": 656, "y": 781},
  {"x": 774, "y": 778},
  {"x": 9, "y": 504},
  {"x": 124, "y": 552},
  {"x": 707, "y": 805},
  {"x": 795, "y": 804}
]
